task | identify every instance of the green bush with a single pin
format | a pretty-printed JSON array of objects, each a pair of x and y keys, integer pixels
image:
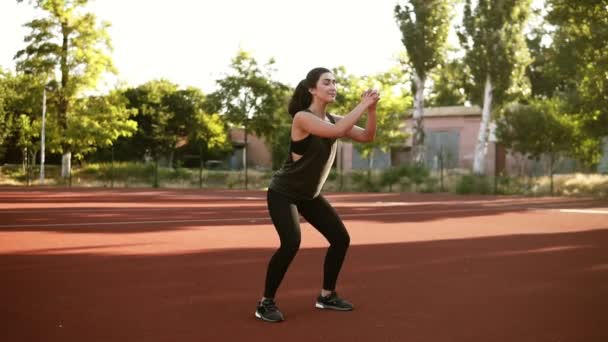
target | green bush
[
  {"x": 406, "y": 176},
  {"x": 363, "y": 182},
  {"x": 473, "y": 184}
]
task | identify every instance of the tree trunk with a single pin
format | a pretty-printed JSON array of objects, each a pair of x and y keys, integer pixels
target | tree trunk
[
  {"x": 66, "y": 164},
  {"x": 201, "y": 166},
  {"x": 245, "y": 156},
  {"x": 66, "y": 167},
  {"x": 551, "y": 165},
  {"x": 370, "y": 165},
  {"x": 24, "y": 160},
  {"x": 42, "y": 135},
  {"x": 418, "y": 127},
  {"x": 155, "y": 183},
  {"x": 482, "y": 137},
  {"x": 171, "y": 156}
]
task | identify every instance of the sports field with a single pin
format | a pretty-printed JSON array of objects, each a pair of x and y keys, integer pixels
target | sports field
[{"x": 186, "y": 265}]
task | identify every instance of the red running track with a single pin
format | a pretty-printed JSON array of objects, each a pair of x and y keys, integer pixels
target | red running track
[{"x": 186, "y": 265}]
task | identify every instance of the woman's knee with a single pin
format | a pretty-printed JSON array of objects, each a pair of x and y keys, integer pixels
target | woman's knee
[
  {"x": 291, "y": 246},
  {"x": 342, "y": 240}
]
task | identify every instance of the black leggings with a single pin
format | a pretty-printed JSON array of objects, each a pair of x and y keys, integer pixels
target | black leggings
[{"x": 321, "y": 215}]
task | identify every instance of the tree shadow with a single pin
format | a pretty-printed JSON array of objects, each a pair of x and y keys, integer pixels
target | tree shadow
[{"x": 546, "y": 287}]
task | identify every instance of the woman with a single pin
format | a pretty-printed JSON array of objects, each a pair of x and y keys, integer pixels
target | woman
[{"x": 295, "y": 188}]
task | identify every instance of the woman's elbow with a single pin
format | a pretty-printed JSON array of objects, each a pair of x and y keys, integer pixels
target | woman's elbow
[
  {"x": 342, "y": 132},
  {"x": 366, "y": 138}
]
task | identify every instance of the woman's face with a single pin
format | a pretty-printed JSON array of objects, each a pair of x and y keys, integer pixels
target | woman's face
[{"x": 325, "y": 89}]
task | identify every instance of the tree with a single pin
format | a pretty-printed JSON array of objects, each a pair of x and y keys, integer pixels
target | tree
[
  {"x": 568, "y": 47},
  {"x": 496, "y": 55},
  {"x": 449, "y": 85},
  {"x": 538, "y": 128},
  {"x": 7, "y": 95},
  {"x": 392, "y": 85},
  {"x": 20, "y": 94},
  {"x": 424, "y": 27},
  {"x": 73, "y": 47},
  {"x": 100, "y": 122},
  {"x": 248, "y": 97},
  {"x": 155, "y": 136},
  {"x": 206, "y": 131},
  {"x": 280, "y": 137},
  {"x": 580, "y": 47},
  {"x": 27, "y": 131},
  {"x": 209, "y": 131}
]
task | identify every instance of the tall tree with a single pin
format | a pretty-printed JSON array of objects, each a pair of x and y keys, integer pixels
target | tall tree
[
  {"x": 392, "y": 85},
  {"x": 100, "y": 122},
  {"x": 74, "y": 48},
  {"x": 248, "y": 97},
  {"x": 7, "y": 117},
  {"x": 27, "y": 132},
  {"x": 580, "y": 43},
  {"x": 424, "y": 26},
  {"x": 20, "y": 94},
  {"x": 450, "y": 82},
  {"x": 156, "y": 135},
  {"x": 496, "y": 55}
]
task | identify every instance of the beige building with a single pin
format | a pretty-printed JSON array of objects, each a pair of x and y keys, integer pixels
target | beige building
[
  {"x": 451, "y": 132},
  {"x": 258, "y": 154}
]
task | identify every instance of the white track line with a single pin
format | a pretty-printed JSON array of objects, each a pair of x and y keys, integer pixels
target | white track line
[
  {"x": 584, "y": 211},
  {"x": 266, "y": 218}
]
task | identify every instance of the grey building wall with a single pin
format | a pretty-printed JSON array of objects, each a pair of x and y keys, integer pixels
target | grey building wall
[{"x": 381, "y": 160}]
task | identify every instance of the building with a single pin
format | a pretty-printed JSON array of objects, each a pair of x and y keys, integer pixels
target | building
[
  {"x": 258, "y": 154},
  {"x": 450, "y": 132}
]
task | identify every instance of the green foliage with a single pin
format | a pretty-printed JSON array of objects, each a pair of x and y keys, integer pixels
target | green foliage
[
  {"x": 580, "y": 58},
  {"x": 248, "y": 96},
  {"x": 545, "y": 78},
  {"x": 390, "y": 110},
  {"x": 449, "y": 85},
  {"x": 156, "y": 121},
  {"x": 71, "y": 49},
  {"x": 538, "y": 128},
  {"x": 408, "y": 176},
  {"x": 363, "y": 182},
  {"x": 20, "y": 95},
  {"x": 100, "y": 122},
  {"x": 495, "y": 48},
  {"x": 27, "y": 131},
  {"x": 210, "y": 131},
  {"x": 424, "y": 27},
  {"x": 279, "y": 146},
  {"x": 474, "y": 184},
  {"x": 7, "y": 94}
]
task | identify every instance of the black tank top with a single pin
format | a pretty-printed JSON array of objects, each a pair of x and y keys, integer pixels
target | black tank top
[{"x": 304, "y": 178}]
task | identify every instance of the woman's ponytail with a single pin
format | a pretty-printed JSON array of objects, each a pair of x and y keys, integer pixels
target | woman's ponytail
[{"x": 302, "y": 98}]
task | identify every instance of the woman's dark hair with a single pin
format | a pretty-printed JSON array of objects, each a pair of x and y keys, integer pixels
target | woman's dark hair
[{"x": 301, "y": 97}]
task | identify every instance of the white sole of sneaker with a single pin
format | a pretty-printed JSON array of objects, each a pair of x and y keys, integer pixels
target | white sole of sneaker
[
  {"x": 257, "y": 315},
  {"x": 327, "y": 307}
]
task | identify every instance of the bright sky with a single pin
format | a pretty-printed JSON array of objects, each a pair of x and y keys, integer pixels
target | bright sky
[{"x": 191, "y": 42}]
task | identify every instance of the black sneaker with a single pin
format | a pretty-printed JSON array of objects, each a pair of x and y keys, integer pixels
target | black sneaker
[
  {"x": 267, "y": 311},
  {"x": 333, "y": 302}
]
